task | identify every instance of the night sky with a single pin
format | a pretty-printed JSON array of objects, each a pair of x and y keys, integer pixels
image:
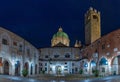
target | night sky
[{"x": 37, "y": 20}]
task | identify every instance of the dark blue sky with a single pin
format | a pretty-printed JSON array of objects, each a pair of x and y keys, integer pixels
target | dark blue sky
[{"x": 38, "y": 20}]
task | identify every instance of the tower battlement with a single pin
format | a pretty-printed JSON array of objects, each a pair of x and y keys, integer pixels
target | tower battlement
[{"x": 92, "y": 10}]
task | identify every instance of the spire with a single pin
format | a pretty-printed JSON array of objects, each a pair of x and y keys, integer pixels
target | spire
[
  {"x": 91, "y": 8},
  {"x": 60, "y": 29},
  {"x": 77, "y": 43}
]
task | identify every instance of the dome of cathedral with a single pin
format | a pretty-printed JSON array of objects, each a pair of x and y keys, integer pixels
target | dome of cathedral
[
  {"x": 60, "y": 37},
  {"x": 60, "y": 33}
]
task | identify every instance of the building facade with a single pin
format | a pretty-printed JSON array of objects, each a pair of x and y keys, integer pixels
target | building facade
[
  {"x": 99, "y": 53},
  {"x": 104, "y": 54},
  {"x": 17, "y": 54},
  {"x": 60, "y": 58}
]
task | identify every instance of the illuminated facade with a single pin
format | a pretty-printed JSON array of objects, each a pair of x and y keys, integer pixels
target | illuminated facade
[
  {"x": 100, "y": 53},
  {"x": 60, "y": 58},
  {"x": 104, "y": 54},
  {"x": 17, "y": 54}
]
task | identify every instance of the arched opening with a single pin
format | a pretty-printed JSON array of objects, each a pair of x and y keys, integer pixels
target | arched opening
[
  {"x": 31, "y": 71},
  {"x": 92, "y": 66},
  {"x": 58, "y": 70},
  {"x": 36, "y": 69},
  {"x": 104, "y": 68},
  {"x": 26, "y": 66},
  {"x": 6, "y": 67},
  {"x": 85, "y": 66},
  {"x": 17, "y": 68},
  {"x": 116, "y": 65}
]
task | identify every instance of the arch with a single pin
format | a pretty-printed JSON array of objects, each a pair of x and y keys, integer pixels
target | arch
[
  {"x": 103, "y": 61},
  {"x": 58, "y": 70},
  {"x": 31, "y": 70},
  {"x": 92, "y": 63},
  {"x": 6, "y": 67},
  {"x": 104, "y": 66},
  {"x": 115, "y": 55},
  {"x": 26, "y": 66},
  {"x": 84, "y": 66},
  {"x": 115, "y": 65},
  {"x": 93, "y": 66},
  {"x": 35, "y": 68},
  {"x": 17, "y": 68}
]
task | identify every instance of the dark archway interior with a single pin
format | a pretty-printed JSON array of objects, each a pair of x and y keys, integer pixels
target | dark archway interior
[{"x": 6, "y": 68}]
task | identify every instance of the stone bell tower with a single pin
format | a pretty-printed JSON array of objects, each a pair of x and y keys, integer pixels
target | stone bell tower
[{"x": 92, "y": 26}]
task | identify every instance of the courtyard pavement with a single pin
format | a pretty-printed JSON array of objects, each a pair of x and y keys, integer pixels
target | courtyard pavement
[{"x": 5, "y": 78}]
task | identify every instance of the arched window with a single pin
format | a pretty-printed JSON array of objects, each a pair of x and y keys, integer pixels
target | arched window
[
  {"x": 103, "y": 61},
  {"x": 56, "y": 56},
  {"x": 85, "y": 64},
  {"x": 4, "y": 41},
  {"x": 67, "y": 55},
  {"x": 20, "y": 48},
  {"x": 95, "y": 17},
  {"x": 93, "y": 63}
]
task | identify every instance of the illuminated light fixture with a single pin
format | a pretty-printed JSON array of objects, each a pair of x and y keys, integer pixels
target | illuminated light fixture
[{"x": 106, "y": 63}]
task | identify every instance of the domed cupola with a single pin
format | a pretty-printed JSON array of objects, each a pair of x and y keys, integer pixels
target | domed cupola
[{"x": 60, "y": 37}]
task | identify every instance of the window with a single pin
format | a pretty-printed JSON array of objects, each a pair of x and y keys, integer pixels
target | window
[
  {"x": 46, "y": 56},
  {"x": 65, "y": 62},
  {"x": 103, "y": 69},
  {"x": 20, "y": 48},
  {"x": 103, "y": 46},
  {"x": 95, "y": 17},
  {"x": 28, "y": 52},
  {"x": 40, "y": 64},
  {"x": 50, "y": 69},
  {"x": 40, "y": 69},
  {"x": 56, "y": 56},
  {"x": 72, "y": 64},
  {"x": 76, "y": 69},
  {"x": 4, "y": 41},
  {"x": 67, "y": 55},
  {"x": 108, "y": 45},
  {"x": 45, "y": 69},
  {"x": 15, "y": 43},
  {"x": 65, "y": 66},
  {"x": 65, "y": 69},
  {"x": 45, "y": 64},
  {"x": 108, "y": 53},
  {"x": 115, "y": 49},
  {"x": 95, "y": 55}
]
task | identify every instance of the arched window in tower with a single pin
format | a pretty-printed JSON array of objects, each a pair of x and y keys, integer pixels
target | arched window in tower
[{"x": 4, "y": 41}]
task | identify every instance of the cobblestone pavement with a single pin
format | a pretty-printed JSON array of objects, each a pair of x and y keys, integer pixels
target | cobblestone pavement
[{"x": 5, "y": 78}]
